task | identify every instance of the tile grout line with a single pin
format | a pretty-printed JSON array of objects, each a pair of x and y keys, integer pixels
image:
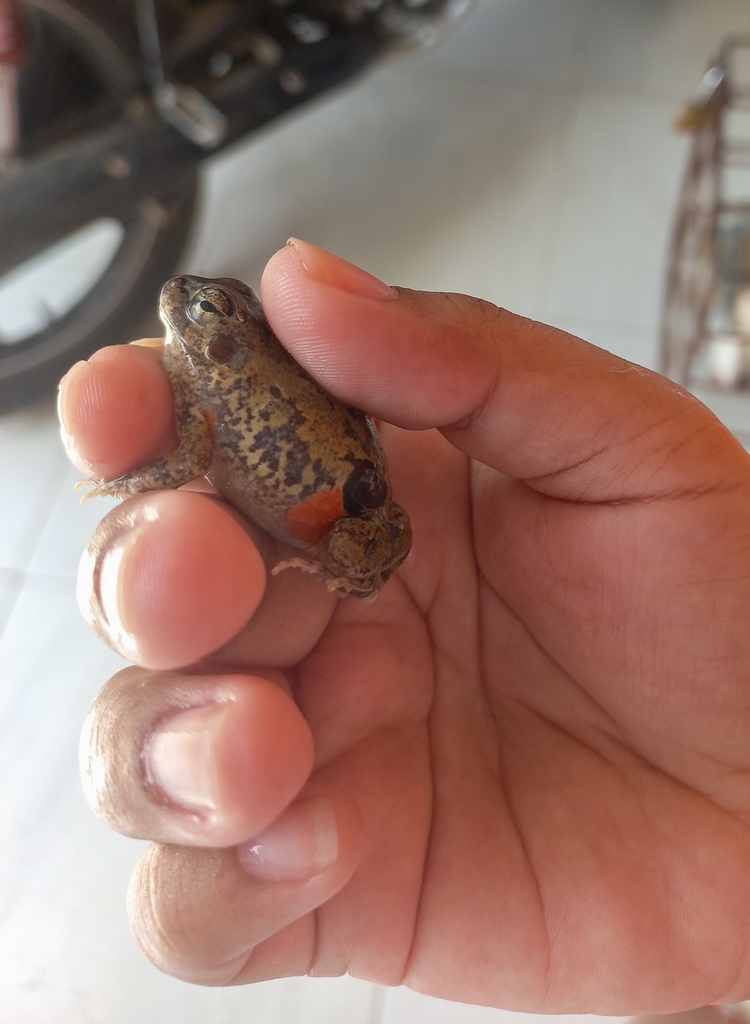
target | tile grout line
[
  {"x": 62, "y": 483},
  {"x": 377, "y": 1004},
  {"x": 35, "y": 574}
]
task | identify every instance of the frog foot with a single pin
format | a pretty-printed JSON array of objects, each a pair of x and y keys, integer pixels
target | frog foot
[
  {"x": 340, "y": 586},
  {"x": 297, "y": 563},
  {"x": 98, "y": 490},
  {"x": 343, "y": 586},
  {"x": 120, "y": 488}
]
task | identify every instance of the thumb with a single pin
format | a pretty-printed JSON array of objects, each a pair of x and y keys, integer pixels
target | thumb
[{"x": 531, "y": 401}]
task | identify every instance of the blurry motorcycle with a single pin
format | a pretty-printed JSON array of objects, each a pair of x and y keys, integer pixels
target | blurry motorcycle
[{"x": 106, "y": 110}]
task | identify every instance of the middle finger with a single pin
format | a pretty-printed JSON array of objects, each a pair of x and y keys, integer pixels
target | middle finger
[{"x": 171, "y": 577}]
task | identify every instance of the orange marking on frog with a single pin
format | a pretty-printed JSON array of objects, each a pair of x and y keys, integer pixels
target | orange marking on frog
[{"x": 311, "y": 521}]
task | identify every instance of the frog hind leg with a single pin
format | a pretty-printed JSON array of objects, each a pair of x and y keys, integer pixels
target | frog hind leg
[
  {"x": 191, "y": 459},
  {"x": 360, "y": 553}
]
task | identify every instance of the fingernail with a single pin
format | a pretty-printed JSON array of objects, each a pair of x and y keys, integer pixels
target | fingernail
[
  {"x": 110, "y": 583},
  {"x": 337, "y": 273},
  {"x": 179, "y": 757},
  {"x": 299, "y": 844},
  {"x": 65, "y": 409}
]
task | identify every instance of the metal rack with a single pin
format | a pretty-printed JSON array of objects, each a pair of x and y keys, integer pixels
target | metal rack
[{"x": 705, "y": 336}]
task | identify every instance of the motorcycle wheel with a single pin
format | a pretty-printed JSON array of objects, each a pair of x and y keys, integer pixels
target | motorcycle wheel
[{"x": 100, "y": 285}]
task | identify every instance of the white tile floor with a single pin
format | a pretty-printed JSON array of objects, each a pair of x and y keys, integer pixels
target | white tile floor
[{"x": 529, "y": 160}]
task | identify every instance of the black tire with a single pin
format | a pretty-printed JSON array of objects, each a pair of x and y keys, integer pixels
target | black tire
[{"x": 121, "y": 303}]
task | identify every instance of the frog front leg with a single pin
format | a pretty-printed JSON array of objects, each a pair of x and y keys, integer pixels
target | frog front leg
[{"x": 191, "y": 459}]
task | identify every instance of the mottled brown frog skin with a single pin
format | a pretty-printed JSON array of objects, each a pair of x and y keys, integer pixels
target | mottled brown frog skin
[{"x": 303, "y": 466}]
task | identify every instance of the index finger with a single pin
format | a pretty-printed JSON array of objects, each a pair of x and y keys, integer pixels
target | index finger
[{"x": 116, "y": 410}]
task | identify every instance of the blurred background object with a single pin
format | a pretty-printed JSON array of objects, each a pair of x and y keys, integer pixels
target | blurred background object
[
  {"x": 529, "y": 159},
  {"x": 106, "y": 110},
  {"x": 705, "y": 341}
]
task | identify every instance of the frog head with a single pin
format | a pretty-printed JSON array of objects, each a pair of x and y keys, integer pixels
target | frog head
[{"x": 209, "y": 318}]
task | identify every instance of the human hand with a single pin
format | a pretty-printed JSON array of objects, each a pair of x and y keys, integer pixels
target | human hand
[{"x": 520, "y": 777}]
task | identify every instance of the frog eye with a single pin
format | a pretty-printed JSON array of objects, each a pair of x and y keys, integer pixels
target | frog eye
[{"x": 214, "y": 301}]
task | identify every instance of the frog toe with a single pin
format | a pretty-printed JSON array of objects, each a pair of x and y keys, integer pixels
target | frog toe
[
  {"x": 297, "y": 563},
  {"x": 98, "y": 489}
]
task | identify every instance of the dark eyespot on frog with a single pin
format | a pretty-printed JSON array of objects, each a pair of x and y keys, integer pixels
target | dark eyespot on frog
[{"x": 305, "y": 467}]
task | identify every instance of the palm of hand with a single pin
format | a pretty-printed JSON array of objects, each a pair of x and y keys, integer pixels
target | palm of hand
[{"x": 554, "y": 798}]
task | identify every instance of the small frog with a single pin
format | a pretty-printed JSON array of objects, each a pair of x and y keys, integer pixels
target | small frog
[{"x": 300, "y": 464}]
